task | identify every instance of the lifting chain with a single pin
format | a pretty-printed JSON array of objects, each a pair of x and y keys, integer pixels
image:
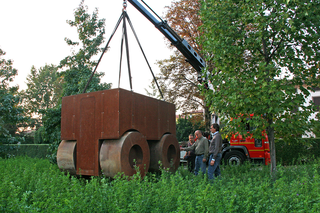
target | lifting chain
[{"x": 124, "y": 5}]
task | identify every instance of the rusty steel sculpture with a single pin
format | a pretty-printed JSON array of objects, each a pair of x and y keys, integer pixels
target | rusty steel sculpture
[{"x": 112, "y": 131}]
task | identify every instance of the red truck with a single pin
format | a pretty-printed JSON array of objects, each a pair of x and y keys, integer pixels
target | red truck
[{"x": 240, "y": 148}]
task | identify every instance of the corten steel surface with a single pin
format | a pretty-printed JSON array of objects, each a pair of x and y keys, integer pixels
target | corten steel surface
[
  {"x": 93, "y": 117},
  {"x": 167, "y": 151},
  {"x": 123, "y": 154},
  {"x": 116, "y": 111},
  {"x": 66, "y": 156}
]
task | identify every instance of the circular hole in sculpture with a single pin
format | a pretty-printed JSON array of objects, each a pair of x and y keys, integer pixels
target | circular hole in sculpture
[
  {"x": 171, "y": 154},
  {"x": 135, "y": 156}
]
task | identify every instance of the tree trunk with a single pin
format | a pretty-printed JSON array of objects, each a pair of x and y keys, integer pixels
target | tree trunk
[
  {"x": 273, "y": 166},
  {"x": 207, "y": 118}
]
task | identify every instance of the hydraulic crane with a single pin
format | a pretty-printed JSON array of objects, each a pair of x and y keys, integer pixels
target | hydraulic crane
[{"x": 181, "y": 44}]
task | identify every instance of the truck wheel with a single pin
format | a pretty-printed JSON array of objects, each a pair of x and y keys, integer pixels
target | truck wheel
[{"x": 235, "y": 158}]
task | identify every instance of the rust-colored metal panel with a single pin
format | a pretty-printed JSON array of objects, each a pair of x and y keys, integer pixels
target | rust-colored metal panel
[
  {"x": 172, "y": 118},
  {"x": 118, "y": 111},
  {"x": 125, "y": 110},
  {"x": 87, "y": 157},
  {"x": 139, "y": 113},
  {"x": 152, "y": 119},
  {"x": 146, "y": 115},
  {"x": 163, "y": 118},
  {"x": 110, "y": 114},
  {"x": 68, "y": 118}
]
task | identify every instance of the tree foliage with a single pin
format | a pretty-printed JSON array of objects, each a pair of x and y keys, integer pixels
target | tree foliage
[
  {"x": 80, "y": 64},
  {"x": 177, "y": 78},
  {"x": 43, "y": 92},
  {"x": 263, "y": 51},
  {"x": 188, "y": 125},
  {"x": 11, "y": 113}
]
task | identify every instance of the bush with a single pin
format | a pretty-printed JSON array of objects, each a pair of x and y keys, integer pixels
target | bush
[
  {"x": 298, "y": 150},
  {"x": 38, "y": 136},
  {"x": 35, "y": 185},
  {"x": 31, "y": 150},
  {"x": 316, "y": 126},
  {"x": 186, "y": 126}
]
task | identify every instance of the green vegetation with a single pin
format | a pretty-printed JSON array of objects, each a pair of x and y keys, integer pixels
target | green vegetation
[
  {"x": 12, "y": 116},
  {"x": 295, "y": 151},
  {"x": 30, "y": 150},
  {"x": 263, "y": 52},
  {"x": 186, "y": 126},
  {"x": 33, "y": 185}
]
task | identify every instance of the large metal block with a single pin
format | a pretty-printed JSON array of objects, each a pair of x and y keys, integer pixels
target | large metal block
[{"x": 93, "y": 118}]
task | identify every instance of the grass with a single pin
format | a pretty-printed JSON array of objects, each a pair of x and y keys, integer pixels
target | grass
[{"x": 35, "y": 185}]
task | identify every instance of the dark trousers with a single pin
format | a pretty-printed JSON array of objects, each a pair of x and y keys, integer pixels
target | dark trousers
[{"x": 191, "y": 163}]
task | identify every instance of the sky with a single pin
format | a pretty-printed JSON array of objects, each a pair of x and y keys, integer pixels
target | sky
[{"x": 33, "y": 32}]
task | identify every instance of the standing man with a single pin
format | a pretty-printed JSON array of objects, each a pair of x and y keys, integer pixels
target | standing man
[
  {"x": 190, "y": 155},
  {"x": 201, "y": 150},
  {"x": 215, "y": 149}
]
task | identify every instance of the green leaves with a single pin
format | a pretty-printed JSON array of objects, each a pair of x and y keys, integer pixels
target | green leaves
[
  {"x": 35, "y": 185},
  {"x": 44, "y": 90},
  {"x": 263, "y": 51},
  {"x": 11, "y": 113},
  {"x": 186, "y": 126},
  {"x": 80, "y": 64},
  {"x": 250, "y": 47}
]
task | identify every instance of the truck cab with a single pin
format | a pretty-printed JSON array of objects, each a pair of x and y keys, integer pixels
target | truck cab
[
  {"x": 247, "y": 148},
  {"x": 240, "y": 148}
]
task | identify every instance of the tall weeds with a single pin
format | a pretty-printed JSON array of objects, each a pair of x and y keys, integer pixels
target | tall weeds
[{"x": 35, "y": 185}]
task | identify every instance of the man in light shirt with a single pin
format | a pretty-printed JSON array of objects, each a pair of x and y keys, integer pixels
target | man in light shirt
[{"x": 201, "y": 151}]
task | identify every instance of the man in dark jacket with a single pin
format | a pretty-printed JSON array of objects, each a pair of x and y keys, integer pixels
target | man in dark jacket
[
  {"x": 190, "y": 155},
  {"x": 215, "y": 149}
]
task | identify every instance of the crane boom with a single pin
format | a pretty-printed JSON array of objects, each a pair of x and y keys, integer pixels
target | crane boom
[{"x": 181, "y": 44}]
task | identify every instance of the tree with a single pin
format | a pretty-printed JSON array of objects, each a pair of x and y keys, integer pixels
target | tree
[
  {"x": 177, "y": 79},
  {"x": 11, "y": 113},
  {"x": 43, "y": 92},
  {"x": 263, "y": 51},
  {"x": 79, "y": 65},
  {"x": 188, "y": 125},
  {"x": 77, "y": 68}
]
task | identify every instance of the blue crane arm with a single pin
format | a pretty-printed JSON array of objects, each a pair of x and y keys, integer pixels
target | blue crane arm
[{"x": 181, "y": 44}]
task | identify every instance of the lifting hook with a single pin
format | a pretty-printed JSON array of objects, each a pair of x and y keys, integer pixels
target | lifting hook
[{"x": 124, "y": 5}]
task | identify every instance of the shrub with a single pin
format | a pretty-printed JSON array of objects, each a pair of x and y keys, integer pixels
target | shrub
[
  {"x": 297, "y": 150},
  {"x": 35, "y": 185},
  {"x": 31, "y": 150}
]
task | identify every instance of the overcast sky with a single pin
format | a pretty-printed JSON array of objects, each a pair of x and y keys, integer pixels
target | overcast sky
[{"x": 33, "y": 32}]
